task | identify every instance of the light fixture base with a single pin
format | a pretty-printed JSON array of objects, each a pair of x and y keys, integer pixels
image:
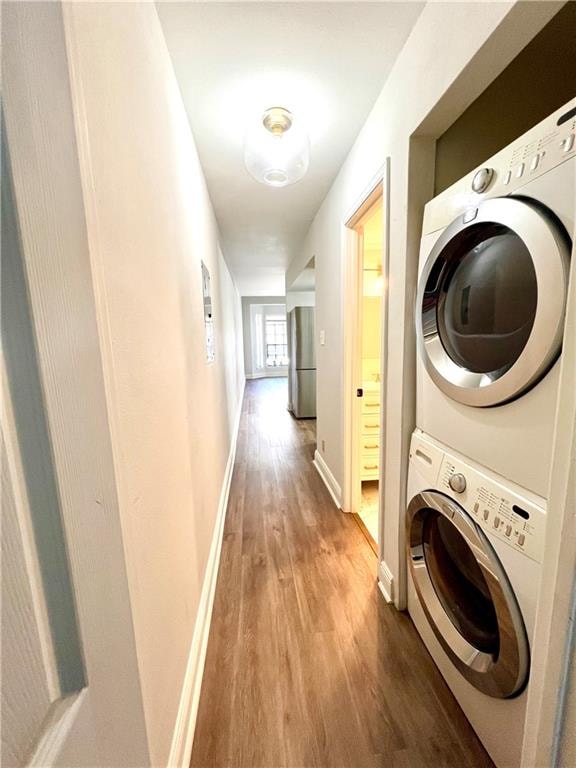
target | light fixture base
[{"x": 277, "y": 120}]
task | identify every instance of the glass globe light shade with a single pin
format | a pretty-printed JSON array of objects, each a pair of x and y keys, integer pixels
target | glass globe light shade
[{"x": 277, "y": 149}]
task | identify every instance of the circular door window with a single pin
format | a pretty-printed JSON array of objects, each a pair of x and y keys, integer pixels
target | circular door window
[
  {"x": 459, "y": 583},
  {"x": 466, "y": 595},
  {"x": 491, "y": 302}
]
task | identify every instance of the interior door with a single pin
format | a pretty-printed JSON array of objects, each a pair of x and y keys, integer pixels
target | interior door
[{"x": 71, "y": 694}]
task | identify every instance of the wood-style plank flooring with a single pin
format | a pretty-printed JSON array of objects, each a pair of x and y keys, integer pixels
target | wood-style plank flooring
[{"x": 307, "y": 666}]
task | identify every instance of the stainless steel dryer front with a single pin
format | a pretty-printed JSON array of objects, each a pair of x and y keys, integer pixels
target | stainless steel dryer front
[{"x": 492, "y": 301}]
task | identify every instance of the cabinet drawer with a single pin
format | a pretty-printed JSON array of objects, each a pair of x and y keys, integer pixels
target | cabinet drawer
[
  {"x": 371, "y": 424},
  {"x": 371, "y": 403},
  {"x": 369, "y": 467},
  {"x": 370, "y": 445}
]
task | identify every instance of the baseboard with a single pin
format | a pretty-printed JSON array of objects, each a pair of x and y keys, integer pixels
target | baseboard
[
  {"x": 183, "y": 737},
  {"x": 268, "y": 375},
  {"x": 328, "y": 478},
  {"x": 386, "y": 582}
]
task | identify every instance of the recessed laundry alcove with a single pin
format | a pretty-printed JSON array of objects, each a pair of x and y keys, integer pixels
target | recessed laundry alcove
[{"x": 531, "y": 87}]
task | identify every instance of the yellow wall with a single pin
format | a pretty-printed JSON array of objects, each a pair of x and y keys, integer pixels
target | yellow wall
[{"x": 372, "y": 291}]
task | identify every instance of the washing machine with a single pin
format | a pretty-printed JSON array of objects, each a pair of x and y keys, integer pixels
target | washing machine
[
  {"x": 493, "y": 277},
  {"x": 474, "y": 546}
]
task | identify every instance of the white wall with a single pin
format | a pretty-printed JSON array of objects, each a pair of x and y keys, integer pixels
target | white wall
[
  {"x": 150, "y": 223},
  {"x": 425, "y": 92},
  {"x": 300, "y": 299},
  {"x": 232, "y": 344}
]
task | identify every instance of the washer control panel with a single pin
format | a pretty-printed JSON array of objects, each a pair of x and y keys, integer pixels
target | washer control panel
[{"x": 518, "y": 521}]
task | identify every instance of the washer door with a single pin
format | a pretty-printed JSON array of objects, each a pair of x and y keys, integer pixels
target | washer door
[
  {"x": 466, "y": 595},
  {"x": 491, "y": 301}
]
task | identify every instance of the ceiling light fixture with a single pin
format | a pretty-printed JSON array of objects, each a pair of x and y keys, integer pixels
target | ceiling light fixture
[{"x": 277, "y": 149}]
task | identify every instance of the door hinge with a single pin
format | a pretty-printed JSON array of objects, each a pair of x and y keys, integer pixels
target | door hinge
[{"x": 359, "y": 392}]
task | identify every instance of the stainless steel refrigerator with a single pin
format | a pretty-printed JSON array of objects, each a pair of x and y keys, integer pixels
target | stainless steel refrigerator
[{"x": 302, "y": 366}]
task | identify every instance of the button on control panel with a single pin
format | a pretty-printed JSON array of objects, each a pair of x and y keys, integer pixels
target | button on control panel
[
  {"x": 516, "y": 520},
  {"x": 457, "y": 482},
  {"x": 482, "y": 179}
]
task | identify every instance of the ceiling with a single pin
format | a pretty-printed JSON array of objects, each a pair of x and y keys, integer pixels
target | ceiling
[{"x": 326, "y": 62}]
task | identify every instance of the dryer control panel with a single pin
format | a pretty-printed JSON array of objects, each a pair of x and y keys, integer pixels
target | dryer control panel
[
  {"x": 543, "y": 147},
  {"x": 500, "y": 512}
]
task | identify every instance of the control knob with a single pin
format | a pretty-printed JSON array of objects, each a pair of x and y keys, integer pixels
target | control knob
[
  {"x": 482, "y": 179},
  {"x": 457, "y": 482}
]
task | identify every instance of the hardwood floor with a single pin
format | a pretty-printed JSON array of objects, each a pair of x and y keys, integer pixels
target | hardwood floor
[{"x": 307, "y": 666}]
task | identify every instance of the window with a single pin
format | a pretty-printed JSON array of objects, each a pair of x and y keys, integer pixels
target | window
[
  {"x": 268, "y": 339},
  {"x": 276, "y": 342}
]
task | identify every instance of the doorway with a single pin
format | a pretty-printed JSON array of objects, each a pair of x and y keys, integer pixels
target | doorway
[
  {"x": 365, "y": 322},
  {"x": 369, "y": 320}
]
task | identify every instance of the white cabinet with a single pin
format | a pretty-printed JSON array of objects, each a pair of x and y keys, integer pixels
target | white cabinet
[{"x": 370, "y": 437}]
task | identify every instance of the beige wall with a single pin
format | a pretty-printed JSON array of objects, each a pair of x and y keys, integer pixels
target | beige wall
[
  {"x": 150, "y": 223},
  {"x": 424, "y": 94}
]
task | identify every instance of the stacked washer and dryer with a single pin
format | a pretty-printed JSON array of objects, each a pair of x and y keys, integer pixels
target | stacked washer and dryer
[{"x": 493, "y": 285}]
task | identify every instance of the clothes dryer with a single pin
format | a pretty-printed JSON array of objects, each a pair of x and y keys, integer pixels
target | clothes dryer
[{"x": 493, "y": 278}]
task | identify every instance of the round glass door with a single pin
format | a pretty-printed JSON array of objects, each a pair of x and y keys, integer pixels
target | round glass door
[
  {"x": 466, "y": 595},
  {"x": 459, "y": 583},
  {"x": 491, "y": 302}
]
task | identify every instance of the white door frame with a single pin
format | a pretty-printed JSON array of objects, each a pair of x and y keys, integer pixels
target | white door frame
[
  {"x": 103, "y": 723},
  {"x": 379, "y": 187}
]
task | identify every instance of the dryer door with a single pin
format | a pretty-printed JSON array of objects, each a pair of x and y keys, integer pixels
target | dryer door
[
  {"x": 491, "y": 301},
  {"x": 466, "y": 595}
]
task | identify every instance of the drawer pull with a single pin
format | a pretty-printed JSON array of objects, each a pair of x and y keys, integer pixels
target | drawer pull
[
  {"x": 372, "y": 405},
  {"x": 368, "y": 447},
  {"x": 372, "y": 426},
  {"x": 370, "y": 466}
]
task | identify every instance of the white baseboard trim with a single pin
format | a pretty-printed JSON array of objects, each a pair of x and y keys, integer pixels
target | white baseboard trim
[
  {"x": 268, "y": 375},
  {"x": 183, "y": 737},
  {"x": 328, "y": 478},
  {"x": 386, "y": 582}
]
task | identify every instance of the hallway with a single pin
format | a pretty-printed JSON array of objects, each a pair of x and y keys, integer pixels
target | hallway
[{"x": 307, "y": 665}]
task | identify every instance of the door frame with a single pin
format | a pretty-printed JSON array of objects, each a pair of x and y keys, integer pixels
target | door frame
[{"x": 378, "y": 188}]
